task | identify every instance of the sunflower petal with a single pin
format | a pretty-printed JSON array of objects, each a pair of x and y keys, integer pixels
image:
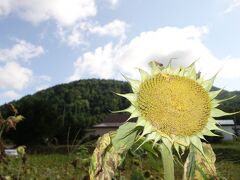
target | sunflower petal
[
  {"x": 151, "y": 136},
  {"x": 223, "y": 100},
  {"x": 130, "y": 96},
  {"x": 133, "y": 83},
  {"x": 144, "y": 74},
  {"x": 187, "y": 141},
  {"x": 147, "y": 129},
  {"x": 207, "y": 132},
  {"x": 190, "y": 71},
  {"x": 197, "y": 143},
  {"x": 200, "y": 135},
  {"x": 141, "y": 122},
  {"x": 155, "y": 67},
  {"x": 214, "y": 103},
  {"x": 176, "y": 71},
  {"x": 167, "y": 143},
  {"x": 218, "y": 113},
  {"x": 130, "y": 109},
  {"x": 213, "y": 94},
  {"x": 134, "y": 114},
  {"x": 177, "y": 147},
  {"x": 212, "y": 126},
  {"x": 207, "y": 85},
  {"x": 156, "y": 139},
  {"x": 212, "y": 120}
]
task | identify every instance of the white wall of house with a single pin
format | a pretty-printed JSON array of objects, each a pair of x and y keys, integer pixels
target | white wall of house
[
  {"x": 226, "y": 136},
  {"x": 227, "y": 125}
]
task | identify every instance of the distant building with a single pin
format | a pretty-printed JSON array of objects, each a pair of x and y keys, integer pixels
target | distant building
[
  {"x": 227, "y": 125},
  {"x": 110, "y": 123},
  {"x": 113, "y": 121},
  {"x": 11, "y": 152}
]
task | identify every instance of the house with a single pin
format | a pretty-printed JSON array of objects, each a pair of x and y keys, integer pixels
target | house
[
  {"x": 113, "y": 121},
  {"x": 227, "y": 125},
  {"x": 11, "y": 152},
  {"x": 110, "y": 123}
]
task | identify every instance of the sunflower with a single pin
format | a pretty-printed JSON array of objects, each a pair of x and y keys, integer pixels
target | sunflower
[{"x": 174, "y": 106}]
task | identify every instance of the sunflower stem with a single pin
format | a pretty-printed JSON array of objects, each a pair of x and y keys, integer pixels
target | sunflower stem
[{"x": 168, "y": 164}]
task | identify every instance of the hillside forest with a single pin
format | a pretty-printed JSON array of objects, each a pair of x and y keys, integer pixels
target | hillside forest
[{"x": 62, "y": 111}]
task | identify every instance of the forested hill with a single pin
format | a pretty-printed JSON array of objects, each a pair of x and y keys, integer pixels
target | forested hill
[
  {"x": 79, "y": 104},
  {"x": 49, "y": 113}
]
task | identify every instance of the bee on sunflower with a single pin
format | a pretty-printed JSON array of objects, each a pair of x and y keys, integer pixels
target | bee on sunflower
[
  {"x": 175, "y": 109},
  {"x": 175, "y": 106}
]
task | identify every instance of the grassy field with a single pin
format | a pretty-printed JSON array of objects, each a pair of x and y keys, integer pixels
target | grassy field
[
  {"x": 74, "y": 166},
  {"x": 51, "y": 166},
  {"x": 228, "y": 159}
]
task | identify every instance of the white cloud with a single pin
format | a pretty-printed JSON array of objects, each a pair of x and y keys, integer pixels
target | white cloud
[
  {"x": 183, "y": 44},
  {"x": 75, "y": 36},
  {"x": 63, "y": 11},
  {"x": 14, "y": 76},
  {"x": 22, "y": 50},
  {"x": 42, "y": 87},
  {"x": 234, "y": 4},
  {"x": 9, "y": 95},
  {"x": 44, "y": 78},
  {"x": 165, "y": 43},
  {"x": 5, "y": 7},
  {"x": 41, "y": 82},
  {"x": 89, "y": 65},
  {"x": 115, "y": 28},
  {"x": 70, "y": 17}
]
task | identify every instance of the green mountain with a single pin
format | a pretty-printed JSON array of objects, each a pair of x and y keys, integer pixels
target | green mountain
[{"x": 63, "y": 110}]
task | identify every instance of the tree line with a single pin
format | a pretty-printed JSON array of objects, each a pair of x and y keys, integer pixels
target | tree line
[{"x": 68, "y": 109}]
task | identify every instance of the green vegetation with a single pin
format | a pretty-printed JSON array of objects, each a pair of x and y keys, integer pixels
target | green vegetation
[
  {"x": 51, "y": 166},
  {"x": 232, "y": 105},
  {"x": 138, "y": 165},
  {"x": 72, "y": 162},
  {"x": 50, "y": 114}
]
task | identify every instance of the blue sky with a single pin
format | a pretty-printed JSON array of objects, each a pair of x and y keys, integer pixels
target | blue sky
[{"x": 44, "y": 43}]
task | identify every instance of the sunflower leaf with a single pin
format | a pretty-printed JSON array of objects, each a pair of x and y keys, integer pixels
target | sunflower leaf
[
  {"x": 105, "y": 159},
  {"x": 200, "y": 167},
  {"x": 146, "y": 146},
  {"x": 125, "y": 136}
]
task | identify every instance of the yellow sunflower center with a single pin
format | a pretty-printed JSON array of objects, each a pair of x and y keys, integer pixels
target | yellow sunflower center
[{"x": 174, "y": 105}]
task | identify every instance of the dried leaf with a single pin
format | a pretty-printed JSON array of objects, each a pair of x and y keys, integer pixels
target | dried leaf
[
  {"x": 105, "y": 159},
  {"x": 198, "y": 166}
]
